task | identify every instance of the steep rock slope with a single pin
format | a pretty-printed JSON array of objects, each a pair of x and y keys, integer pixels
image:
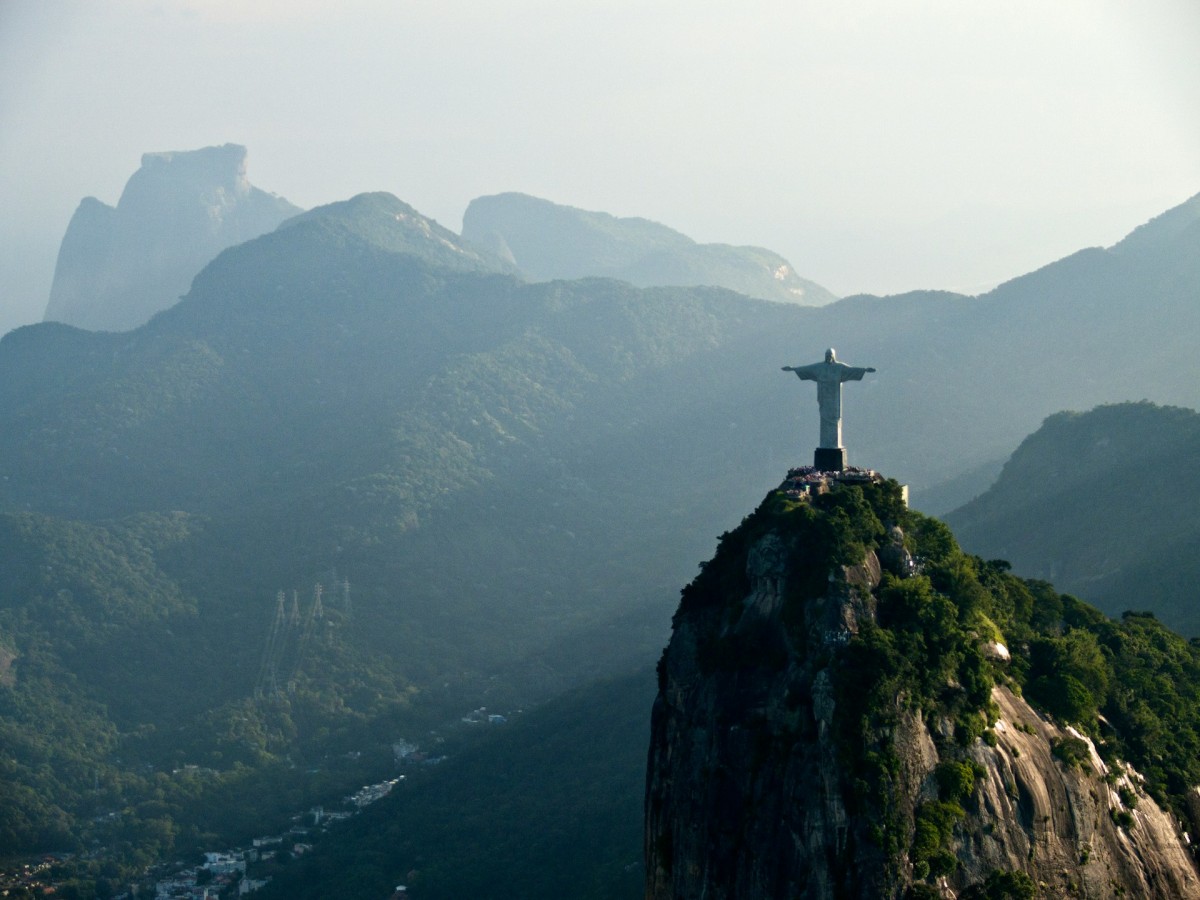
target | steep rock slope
[
  {"x": 117, "y": 266},
  {"x": 836, "y": 719},
  {"x": 1103, "y": 504},
  {"x": 547, "y": 241}
]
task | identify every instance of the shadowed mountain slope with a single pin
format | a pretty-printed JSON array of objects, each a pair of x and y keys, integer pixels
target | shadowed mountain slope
[
  {"x": 546, "y": 806},
  {"x": 1104, "y": 504}
]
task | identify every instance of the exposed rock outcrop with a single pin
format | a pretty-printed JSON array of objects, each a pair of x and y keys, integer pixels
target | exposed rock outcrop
[
  {"x": 117, "y": 266},
  {"x": 756, "y": 788}
]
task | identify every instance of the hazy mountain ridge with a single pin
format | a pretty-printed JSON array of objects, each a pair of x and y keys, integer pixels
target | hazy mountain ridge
[
  {"x": 323, "y": 401},
  {"x": 497, "y": 467},
  {"x": 117, "y": 266},
  {"x": 1102, "y": 503},
  {"x": 314, "y": 357},
  {"x": 549, "y": 241},
  {"x": 1173, "y": 225},
  {"x": 392, "y": 225}
]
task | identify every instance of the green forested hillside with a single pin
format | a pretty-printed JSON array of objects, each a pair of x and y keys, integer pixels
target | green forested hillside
[
  {"x": 549, "y": 805},
  {"x": 1104, "y": 504},
  {"x": 514, "y": 479},
  {"x": 316, "y": 329},
  {"x": 328, "y": 410},
  {"x": 116, "y": 677}
]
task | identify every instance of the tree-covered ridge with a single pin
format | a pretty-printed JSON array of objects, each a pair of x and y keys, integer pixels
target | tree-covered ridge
[
  {"x": 329, "y": 325},
  {"x": 1101, "y": 503},
  {"x": 70, "y": 594},
  {"x": 930, "y": 647},
  {"x": 1131, "y": 683},
  {"x": 344, "y": 413},
  {"x": 502, "y": 470}
]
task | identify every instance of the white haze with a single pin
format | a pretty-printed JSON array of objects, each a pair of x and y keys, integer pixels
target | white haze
[{"x": 881, "y": 146}]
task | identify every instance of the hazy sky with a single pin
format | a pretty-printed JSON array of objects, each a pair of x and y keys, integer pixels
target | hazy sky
[{"x": 880, "y": 145}]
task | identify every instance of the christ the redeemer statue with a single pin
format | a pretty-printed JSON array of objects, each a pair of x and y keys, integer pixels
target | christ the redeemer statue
[{"x": 829, "y": 375}]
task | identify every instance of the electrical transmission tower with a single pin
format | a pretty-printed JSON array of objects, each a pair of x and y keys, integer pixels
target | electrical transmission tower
[
  {"x": 270, "y": 660},
  {"x": 315, "y": 613}
]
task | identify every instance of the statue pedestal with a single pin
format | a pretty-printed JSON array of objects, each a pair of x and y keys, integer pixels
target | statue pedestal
[{"x": 830, "y": 459}]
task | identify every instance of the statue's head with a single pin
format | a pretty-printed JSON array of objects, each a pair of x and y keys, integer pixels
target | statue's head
[{"x": 830, "y": 356}]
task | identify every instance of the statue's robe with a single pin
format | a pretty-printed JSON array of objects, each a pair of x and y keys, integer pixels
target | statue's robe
[{"x": 829, "y": 377}]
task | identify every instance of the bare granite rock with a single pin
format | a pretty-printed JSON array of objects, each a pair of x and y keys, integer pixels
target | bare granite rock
[{"x": 118, "y": 266}]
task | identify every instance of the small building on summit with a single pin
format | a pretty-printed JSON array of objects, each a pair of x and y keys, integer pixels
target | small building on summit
[{"x": 808, "y": 481}]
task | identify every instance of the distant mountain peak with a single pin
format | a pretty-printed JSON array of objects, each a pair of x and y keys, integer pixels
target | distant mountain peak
[
  {"x": 391, "y": 224},
  {"x": 117, "y": 266},
  {"x": 221, "y": 167},
  {"x": 550, "y": 241}
]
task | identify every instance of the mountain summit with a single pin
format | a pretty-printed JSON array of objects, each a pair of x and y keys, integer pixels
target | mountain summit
[
  {"x": 839, "y": 715},
  {"x": 389, "y": 224},
  {"x": 118, "y": 266}
]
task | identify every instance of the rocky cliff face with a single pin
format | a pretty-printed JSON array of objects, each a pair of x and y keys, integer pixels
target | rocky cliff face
[
  {"x": 117, "y": 266},
  {"x": 789, "y": 759}
]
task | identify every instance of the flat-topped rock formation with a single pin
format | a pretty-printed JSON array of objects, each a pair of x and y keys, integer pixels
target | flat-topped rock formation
[{"x": 118, "y": 266}]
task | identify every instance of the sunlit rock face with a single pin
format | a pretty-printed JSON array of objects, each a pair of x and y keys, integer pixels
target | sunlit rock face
[
  {"x": 753, "y": 791},
  {"x": 117, "y": 266}
]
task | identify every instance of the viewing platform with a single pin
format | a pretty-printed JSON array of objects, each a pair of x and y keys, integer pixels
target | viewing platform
[{"x": 808, "y": 481}]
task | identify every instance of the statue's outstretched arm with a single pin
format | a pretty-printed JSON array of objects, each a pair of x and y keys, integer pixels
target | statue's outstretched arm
[{"x": 806, "y": 373}]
